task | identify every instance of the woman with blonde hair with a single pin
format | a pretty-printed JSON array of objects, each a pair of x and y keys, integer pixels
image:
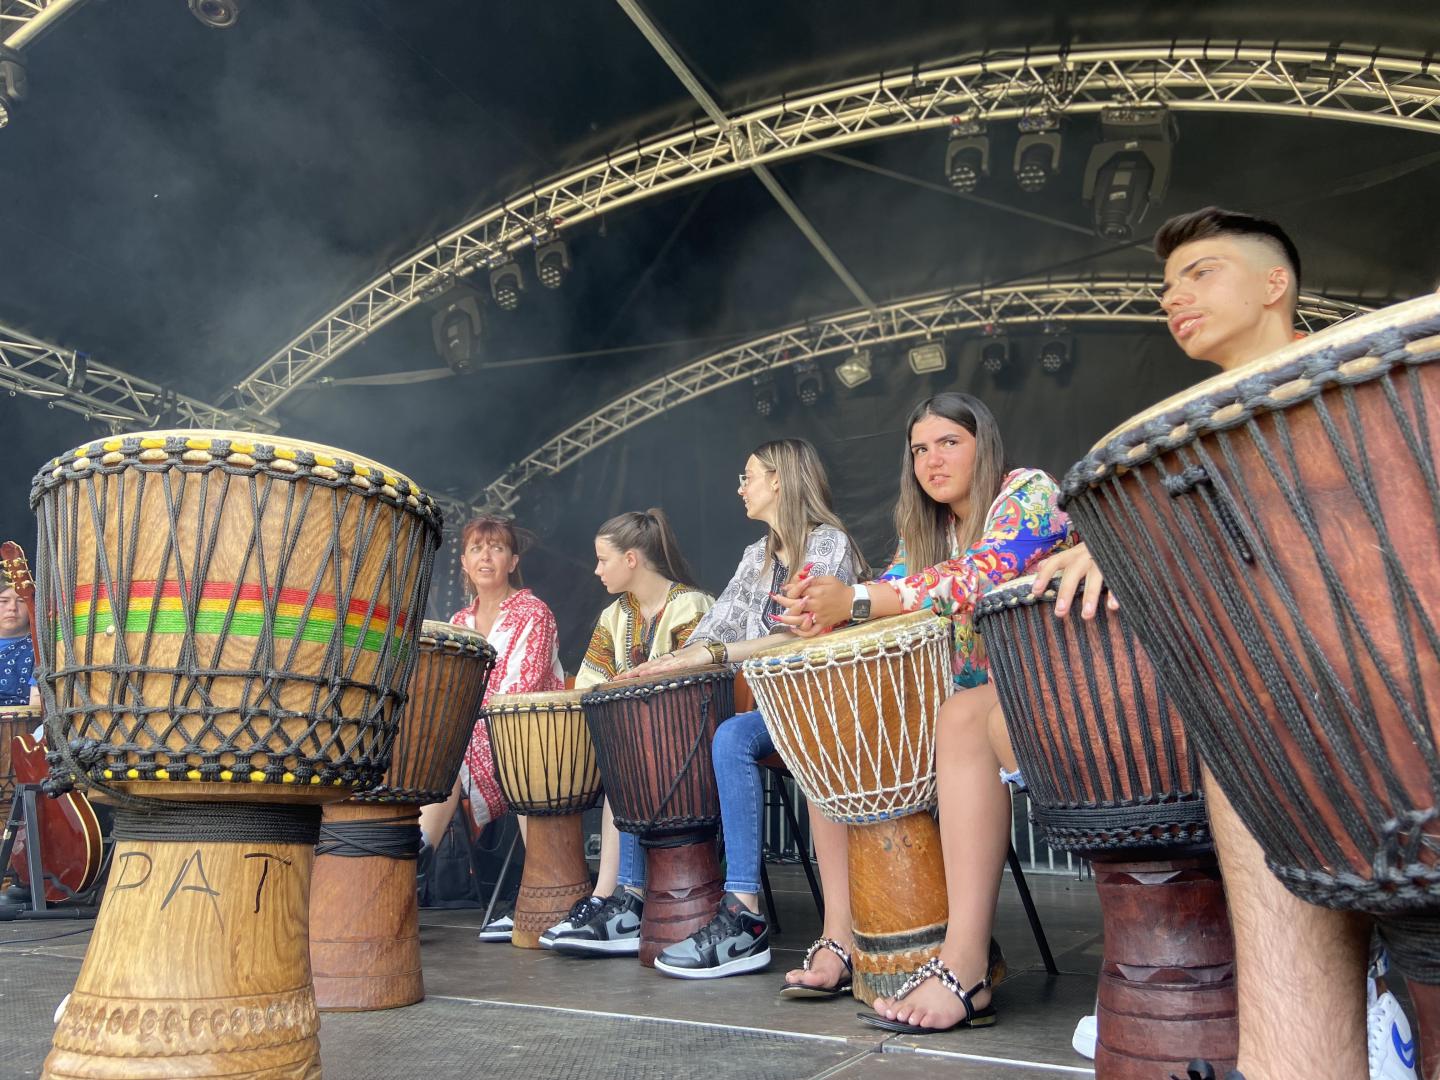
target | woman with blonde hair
[
  {"x": 785, "y": 486},
  {"x": 638, "y": 559}
]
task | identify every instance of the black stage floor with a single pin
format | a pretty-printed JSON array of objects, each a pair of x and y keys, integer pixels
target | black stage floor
[{"x": 495, "y": 1011}]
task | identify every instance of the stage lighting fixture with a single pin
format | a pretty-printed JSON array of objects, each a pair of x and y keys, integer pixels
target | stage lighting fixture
[
  {"x": 552, "y": 263},
  {"x": 75, "y": 380},
  {"x": 927, "y": 358},
  {"x": 13, "y": 83},
  {"x": 218, "y": 14},
  {"x": 506, "y": 285},
  {"x": 1056, "y": 348},
  {"x": 809, "y": 382},
  {"x": 456, "y": 327},
  {"x": 967, "y": 157},
  {"x": 767, "y": 394},
  {"x": 1037, "y": 156},
  {"x": 854, "y": 370},
  {"x": 995, "y": 352},
  {"x": 1129, "y": 170}
]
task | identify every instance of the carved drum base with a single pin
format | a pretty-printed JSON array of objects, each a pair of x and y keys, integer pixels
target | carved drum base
[{"x": 199, "y": 966}]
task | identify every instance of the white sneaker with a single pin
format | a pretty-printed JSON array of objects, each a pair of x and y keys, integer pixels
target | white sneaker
[
  {"x": 1084, "y": 1038},
  {"x": 499, "y": 929},
  {"x": 1392, "y": 1046}
]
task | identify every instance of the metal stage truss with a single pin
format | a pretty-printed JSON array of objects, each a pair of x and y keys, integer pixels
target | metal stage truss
[
  {"x": 1094, "y": 300},
  {"x": 22, "y": 21},
  {"x": 1354, "y": 84}
]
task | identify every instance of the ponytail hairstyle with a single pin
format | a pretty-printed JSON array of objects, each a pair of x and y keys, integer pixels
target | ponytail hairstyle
[
  {"x": 649, "y": 533},
  {"x": 804, "y": 502},
  {"x": 492, "y": 527},
  {"x": 922, "y": 524}
]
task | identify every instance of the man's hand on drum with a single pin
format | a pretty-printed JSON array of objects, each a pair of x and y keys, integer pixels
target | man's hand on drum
[
  {"x": 815, "y": 604},
  {"x": 1074, "y": 565}
]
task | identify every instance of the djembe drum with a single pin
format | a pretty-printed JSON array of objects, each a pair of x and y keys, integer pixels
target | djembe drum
[
  {"x": 14, "y": 720},
  {"x": 364, "y": 913},
  {"x": 1271, "y": 537},
  {"x": 653, "y": 739},
  {"x": 545, "y": 764},
  {"x": 226, "y": 628},
  {"x": 853, "y": 715},
  {"x": 1112, "y": 777}
]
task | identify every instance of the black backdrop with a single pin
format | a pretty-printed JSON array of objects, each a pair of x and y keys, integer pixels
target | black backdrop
[{"x": 687, "y": 459}]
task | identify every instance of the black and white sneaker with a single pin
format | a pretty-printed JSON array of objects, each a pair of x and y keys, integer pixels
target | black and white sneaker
[
  {"x": 499, "y": 928},
  {"x": 580, "y": 914},
  {"x": 613, "y": 930},
  {"x": 734, "y": 942}
]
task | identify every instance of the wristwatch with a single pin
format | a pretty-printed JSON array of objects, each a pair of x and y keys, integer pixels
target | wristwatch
[
  {"x": 717, "y": 650},
  {"x": 860, "y": 606}
]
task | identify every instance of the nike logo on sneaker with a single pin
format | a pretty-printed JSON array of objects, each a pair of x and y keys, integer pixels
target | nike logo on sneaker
[
  {"x": 1406, "y": 1050},
  {"x": 627, "y": 924}
]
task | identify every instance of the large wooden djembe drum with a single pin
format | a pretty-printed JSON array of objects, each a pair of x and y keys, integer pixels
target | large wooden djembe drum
[
  {"x": 545, "y": 764},
  {"x": 1112, "y": 778},
  {"x": 853, "y": 715},
  {"x": 364, "y": 913},
  {"x": 653, "y": 739},
  {"x": 1271, "y": 535},
  {"x": 226, "y": 628}
]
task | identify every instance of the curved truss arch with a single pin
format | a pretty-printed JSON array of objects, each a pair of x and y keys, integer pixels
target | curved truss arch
[
  {"x": 22, "y": 21},
  {"x": 1092, "y": 300},
  {"x": 1365, "y": 86}
]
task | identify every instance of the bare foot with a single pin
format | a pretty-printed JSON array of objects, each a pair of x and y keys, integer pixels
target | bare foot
[
  {"x": 826, "y": 970},
  {"x": 932, "y": 1005}
]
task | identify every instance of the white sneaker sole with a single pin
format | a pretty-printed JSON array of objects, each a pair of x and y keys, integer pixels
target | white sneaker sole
[
  {"x": 495, "y": 935},
  {"x": 585, "y": 947},
  {"x": 739, "y": 966}
]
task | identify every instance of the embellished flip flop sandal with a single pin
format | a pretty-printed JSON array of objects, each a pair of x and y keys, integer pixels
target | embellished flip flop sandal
[
  {"x": 800, "y": 990},
  {"x": 935, "y": 968}
]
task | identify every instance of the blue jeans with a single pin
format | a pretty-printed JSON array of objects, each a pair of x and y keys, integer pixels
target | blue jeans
[
  {"x": 632, "y": 862},
  {"x": 740, "y": 743}
]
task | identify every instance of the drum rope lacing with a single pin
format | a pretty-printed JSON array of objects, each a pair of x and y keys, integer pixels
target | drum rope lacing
[
  {"x": 435, "y": 724},
  {"x": 543, "y": 757},
  {"x": 188, "y": 736},
  {"x": 1322, "y": 701},
  {"x": 677, "y": 731},
  {"x": 392, "y": 838},
  {"x": 798, "y": 697},
  {"x": 229, "y": 823},
  {"x": 1082, "y": 736}
]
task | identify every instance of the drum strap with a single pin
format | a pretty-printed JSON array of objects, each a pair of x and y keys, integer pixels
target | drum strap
[
  {"x": 220, "y": 823},
  {"x": 386, "y": 838},
  {"x": 1127, "y": 819}
]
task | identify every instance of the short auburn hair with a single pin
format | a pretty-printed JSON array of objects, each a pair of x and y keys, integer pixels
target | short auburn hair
[{"x": 1212, "y": 221}]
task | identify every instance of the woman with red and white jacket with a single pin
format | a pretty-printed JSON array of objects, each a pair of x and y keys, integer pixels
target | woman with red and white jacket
[{"x": 521, "y": 629}]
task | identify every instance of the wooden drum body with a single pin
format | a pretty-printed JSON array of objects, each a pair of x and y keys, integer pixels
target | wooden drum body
[
  {"x": 364, "y": 920},
  {"x": 1112, "y": 777},
  {"x": 653, "y": 740},
  {"x": 14, "y": 720},
  {"x": 226, "y": 629},
  {"x": 1271, "y": 536},
  {"x": 853, "y": 714},
  {"x": 545, "y": 764}
]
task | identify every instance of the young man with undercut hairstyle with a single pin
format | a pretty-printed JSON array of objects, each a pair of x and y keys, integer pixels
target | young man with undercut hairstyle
[{"x": 1231, "y": 287}]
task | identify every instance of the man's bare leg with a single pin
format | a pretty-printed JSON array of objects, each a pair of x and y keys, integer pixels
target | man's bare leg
[
  {"x": 1300, "y": 969},
  {"x": 832, "y": 857}
]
